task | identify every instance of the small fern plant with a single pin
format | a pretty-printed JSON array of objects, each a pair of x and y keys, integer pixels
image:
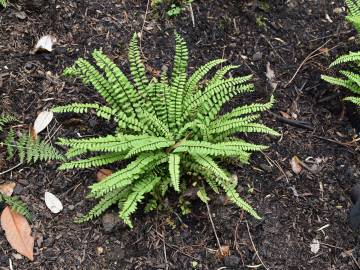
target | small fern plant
[
  {"x": 28, "y": 150},
  {"x": 351, "y": 78},
  {"x": 167, "y": 128}
]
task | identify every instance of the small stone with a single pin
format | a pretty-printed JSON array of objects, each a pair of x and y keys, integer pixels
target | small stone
[
  {"x": 257, "y": 56},
  {"x": 265, "y": 167},
  {"x": 109, "y": 221},
  {"x": 71, "y": 207},
  {"x": 232, "y": 261},
  {"x": 99, "y": 250}
]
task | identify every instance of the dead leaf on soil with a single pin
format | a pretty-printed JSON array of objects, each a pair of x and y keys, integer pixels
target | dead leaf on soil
[
  {"x": 295, "y": 163},
  {"x": 222, "y": 252},
  {"x": 45, "y": 43},
  {"x": 18, "y": 232},
  {"x": 103, "y": 173},
  {"x": 41, "y": 122},
  {"x": 7, "y": 188},
  {"x": 285, "y": 115},
  {"x": 53, "y": 203},
  {"x": 270, "y": 74}
]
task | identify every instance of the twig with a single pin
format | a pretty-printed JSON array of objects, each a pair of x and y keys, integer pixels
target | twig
[
  {"x": 165, "y": 255},
  {"x": 142, "y": 28},
  {"x": 213, "y": 226},
  {"x": 9, "y": 170},
  {"x": 311, "y": 55},
  {"x": 177, "y": 249},
  {"x": 192, "y": 14},
  {"x": 252, "y": 242},
  {"x": 295, "y": 123},
  {"x": 277, "y": 165}
]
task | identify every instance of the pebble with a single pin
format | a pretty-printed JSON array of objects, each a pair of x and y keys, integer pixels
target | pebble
[
  {"x": 232, "y": 261},
  {"x": 257, "y": 56}
]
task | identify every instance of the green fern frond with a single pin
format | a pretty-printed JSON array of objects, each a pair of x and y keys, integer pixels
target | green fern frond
[
  {"x": 149, "y": 145},
  {"x": 96, "y": 161},
  {"x": 178, "y": 81},
  {"x": 6, "y": 119},
  {"x": 139, "y": 190},
  {"x": 137, "y": 67},
  {"x": 219, "y": 149},
  {"x": 108, "y": 200},
  {"x": 341, "y": 82},
  {"x": 355, "y": 100},
  {"x": 125, "y": 97},
  {"x": 229, "y": 127},
  {"x": 4, "y": 3},
  {"x": 192, "y": 83},
  {"x": 351, "y": 57},
  {"x": 219, "y": 75},
  {"x": 248, "y": 109},
  {"x": 128, "y": 175},
  {"x": 226, "y": 183},
  {"x": 354, "y": 7},
  {"x": 174, "y": 170},
  {"x": 101, "y": 111},
  {"x": 16, "y": 205}
]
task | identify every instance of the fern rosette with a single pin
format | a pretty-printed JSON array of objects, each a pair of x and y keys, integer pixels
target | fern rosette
[{"x": 166, "y": 129}]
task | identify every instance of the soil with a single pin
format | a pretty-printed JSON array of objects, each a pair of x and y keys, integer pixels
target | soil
[{"x": 297, "y": 209}]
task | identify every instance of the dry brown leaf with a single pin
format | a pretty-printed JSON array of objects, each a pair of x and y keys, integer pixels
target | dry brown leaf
[
  {"x": 103, "y": 173},
  {"x": 18, "y": 232},
  {"x": 285, "y": 115},
  {"x": 222, "y": 252},
  {"x": 295, "y": 163},
  {"x": 7, "y": 188}
]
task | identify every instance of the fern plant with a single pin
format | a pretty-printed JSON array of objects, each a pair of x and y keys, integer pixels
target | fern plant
[
  {"x": 351, "y": 78},
  {"x": 28, "y": 150},
  {"x": 166, "y": 129}
]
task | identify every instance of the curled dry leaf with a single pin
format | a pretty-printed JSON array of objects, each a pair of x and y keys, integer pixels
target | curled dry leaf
[
  {"x": 41, "y": 122},
  {"x": 45, "y": 43},
  {"x": 222, "y": 252},
  {"x": 270, "y": 74},
  {"x": 53, "y": 203},
  {"x": 18, "y": 232},
  {"x": 7, "y": 188},
  {"x": 103, "y": 173},
  {"x": 296, "y": 164}
]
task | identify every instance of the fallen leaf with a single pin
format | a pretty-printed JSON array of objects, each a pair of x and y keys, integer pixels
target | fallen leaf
[
  {"x": 296, "y": 164},
  {"x": 270, "y": 74},
  {"x": 18, "y": 232},
  {"x": 285, "y": 115},
  {"x": 7, "y": 188},
  {"x": 103, "y": 173},
  {"x": 222, "y": 252},
  {"x": 53, "y": 203},
  {"x": 42, "y": 121},
  {"x": 315, "y": 246},
  {"x": 45, "y": 43}
]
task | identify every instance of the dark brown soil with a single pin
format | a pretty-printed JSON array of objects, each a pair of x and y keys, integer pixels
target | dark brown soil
[{"x": 297, "y": 208}]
